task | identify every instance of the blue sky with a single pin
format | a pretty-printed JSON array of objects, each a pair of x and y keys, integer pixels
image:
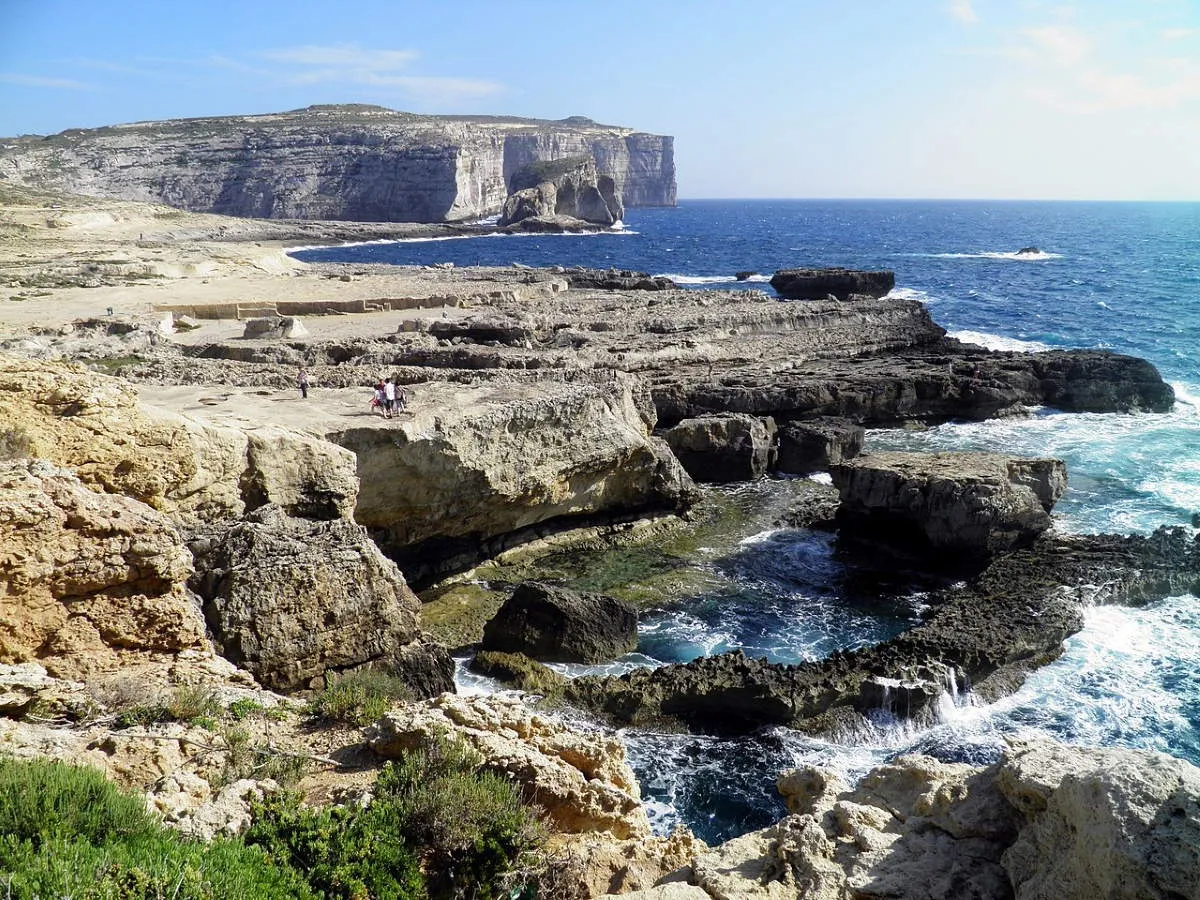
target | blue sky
[{"x": 766, "y": 98}]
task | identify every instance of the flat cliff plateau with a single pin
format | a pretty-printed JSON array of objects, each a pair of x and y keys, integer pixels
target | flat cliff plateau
[{"x": 348, "y": 162}]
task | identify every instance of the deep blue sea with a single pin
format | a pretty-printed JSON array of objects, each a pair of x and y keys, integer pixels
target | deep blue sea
[{"x": 1122, "y": 276}]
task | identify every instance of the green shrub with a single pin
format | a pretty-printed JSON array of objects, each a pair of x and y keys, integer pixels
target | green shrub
[
  {"x": 471, "y": 825},
  {"x": 359, "y": 698},
  {"x": 245, "y": 708},
  {"x": 41, "y": 799},
  {"x": 335, "y": 848},
  {"x": 432, "y": 812},
  {"x": 245, "y": 759},
  {"x": 67, "y": 832}
]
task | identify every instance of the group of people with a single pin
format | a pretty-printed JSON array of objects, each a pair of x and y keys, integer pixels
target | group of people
[{"x": 389, "y": 398}]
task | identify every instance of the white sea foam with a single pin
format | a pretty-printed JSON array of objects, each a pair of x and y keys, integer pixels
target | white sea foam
[
  {"x": 712, "y": 279},
  {"x": 998, "y": 342},
  {"x": 1186, "y": 395},
  {"x": 1015, "y": 255},
  {"x": 905, "y": 293}
]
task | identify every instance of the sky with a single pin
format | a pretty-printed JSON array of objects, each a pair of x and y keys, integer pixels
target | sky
[{"x": 1005, "y": 99}]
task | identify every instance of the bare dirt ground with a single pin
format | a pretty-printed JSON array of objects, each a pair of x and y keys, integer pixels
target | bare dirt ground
[{"x": 65, "y": 258}]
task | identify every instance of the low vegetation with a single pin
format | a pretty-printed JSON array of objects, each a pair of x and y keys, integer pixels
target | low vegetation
[
  {"x": 436, "y": 828},
  {"x": 359, "y": 698},
  {"x": 68, "y": 832}
]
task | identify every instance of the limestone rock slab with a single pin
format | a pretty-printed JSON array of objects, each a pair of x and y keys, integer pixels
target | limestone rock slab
[{"x": 971, "y": 503}]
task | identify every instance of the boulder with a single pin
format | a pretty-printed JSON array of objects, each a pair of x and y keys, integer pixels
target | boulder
[
  {"x": 817, "y": 445},
  {"x": 90, "y": 581},
  {"x": 528, "y": 203},
  {"x": 28, "y": 684},
  {"x": 293, "y": 599},
  {"x": 817, "y": 284},
  {"x": 509, "y": 330},
  {"x": 1101, "y": 823},
  {"x": 274, "y": 328},
  {"x": 724, "y": 448},
  {"x": 967, "y": 504},
  {"x": 465, "y": 478},
  {"x": 580, "y": 780},
  {"x": 555, "y": 624}
]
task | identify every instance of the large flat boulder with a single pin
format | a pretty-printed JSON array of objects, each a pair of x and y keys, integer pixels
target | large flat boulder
[
  {"x": 817, "y": 445},
  {"x": 554, "y": 624},
  {"x": 454, "y": 482},
  {"x": 817, "y": 284},
  {"x": 970, "y": 504}
]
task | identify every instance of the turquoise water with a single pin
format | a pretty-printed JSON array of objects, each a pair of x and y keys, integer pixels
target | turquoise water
[{"x": 1121, "y": 276}]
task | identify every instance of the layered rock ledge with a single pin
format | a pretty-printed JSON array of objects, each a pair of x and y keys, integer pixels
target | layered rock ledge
[{"x": 1010, "y": 619}]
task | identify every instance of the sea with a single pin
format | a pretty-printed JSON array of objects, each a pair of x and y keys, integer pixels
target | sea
[{"x": 1007, "y": 275}]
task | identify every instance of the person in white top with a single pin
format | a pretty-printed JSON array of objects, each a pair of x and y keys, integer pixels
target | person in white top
[{"x": 389, "y": 398}]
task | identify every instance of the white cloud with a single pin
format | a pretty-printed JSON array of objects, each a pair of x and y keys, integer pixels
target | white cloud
[
  {"x": 1179, "y": 34},
  {"x": 68, "y": 84},
  {"x": 1069, "y": 73},
  {"x": 353, "y": 65},
  {"x": 343, "y": 56},
  {"x": 964, "y": 11}
]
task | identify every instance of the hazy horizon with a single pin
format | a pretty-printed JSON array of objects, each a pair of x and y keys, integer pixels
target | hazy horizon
[{"x": 787, "y": 99}]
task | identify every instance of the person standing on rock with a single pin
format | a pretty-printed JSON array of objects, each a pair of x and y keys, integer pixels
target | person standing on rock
[
  {"x": 389, "y": 398},
  {"x": 302, "y": 382}
]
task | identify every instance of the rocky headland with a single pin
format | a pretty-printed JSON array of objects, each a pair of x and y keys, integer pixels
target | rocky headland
[
  {"x": 352, "y": 162},
  {"x": 177, "y": 516}
]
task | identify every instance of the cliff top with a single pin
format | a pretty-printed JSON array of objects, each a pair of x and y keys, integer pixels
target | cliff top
[{"x": 322, "y": 116}]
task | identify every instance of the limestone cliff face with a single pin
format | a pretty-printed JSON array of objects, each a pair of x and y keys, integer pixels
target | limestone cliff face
[{"x": 335, "y": 162}]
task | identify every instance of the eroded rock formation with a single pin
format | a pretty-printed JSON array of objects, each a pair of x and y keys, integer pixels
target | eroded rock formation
[
  {"x": 494, "y": 460},
  {"x": 88, "y": 581},
  {"x": 1047, "y": 821},
  {"x": 291, "y": 599},
  {"x": 724, "y": 448},
  {"x": 817, "y": 445},
  {"x": 842, "y": 284},
  {"x": 564, "y": 187},
  {"x": 1011, "y": 618}
]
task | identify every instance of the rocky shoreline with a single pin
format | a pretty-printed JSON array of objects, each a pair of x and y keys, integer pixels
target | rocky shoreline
[{"x": 187, "y": 518}]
